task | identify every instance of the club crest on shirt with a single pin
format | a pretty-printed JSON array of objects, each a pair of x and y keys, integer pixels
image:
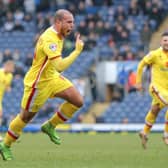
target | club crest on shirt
[{"x": 53, "y": 47}]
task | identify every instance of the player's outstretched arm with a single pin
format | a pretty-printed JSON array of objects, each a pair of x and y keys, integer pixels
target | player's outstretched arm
[
  {"x": 138, "y": 85},
  {"x": 62, "y": 64}
]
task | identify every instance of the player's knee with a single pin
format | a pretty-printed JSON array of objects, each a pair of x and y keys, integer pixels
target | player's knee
[
  {"x": 155, "y": 110},
  {"x": 26, "y": 116}
]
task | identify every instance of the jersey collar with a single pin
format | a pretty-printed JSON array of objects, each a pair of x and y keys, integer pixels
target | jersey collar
[{"x": 59, "y": 36}]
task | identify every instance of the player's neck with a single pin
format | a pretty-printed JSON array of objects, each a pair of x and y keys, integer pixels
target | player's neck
[
  {"x": 5, "y": 71},
  {"x": 164, "y": 50},
  {"x": 56, "y": 30}
]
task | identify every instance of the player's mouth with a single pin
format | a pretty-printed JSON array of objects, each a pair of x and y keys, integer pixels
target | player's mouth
[{"x": 69, "y": 31}]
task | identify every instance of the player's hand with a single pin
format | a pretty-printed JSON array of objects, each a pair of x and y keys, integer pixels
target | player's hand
[
  {"x": 139, "y": 87},
  {"x": 79, "y": 43}
]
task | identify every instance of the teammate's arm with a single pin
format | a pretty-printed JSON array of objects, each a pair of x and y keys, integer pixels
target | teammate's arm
[
  {"x": 147, "y": 60},
  {"x": 141, "y": 65},
  {"x": 63, "y": 63}
]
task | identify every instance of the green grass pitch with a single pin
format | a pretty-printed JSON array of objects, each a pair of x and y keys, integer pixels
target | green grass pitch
[{"x": 83, "y": 150}]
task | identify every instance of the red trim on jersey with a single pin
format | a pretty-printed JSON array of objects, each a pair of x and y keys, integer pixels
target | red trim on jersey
[
  {"x": 30, "y": 98},
  {"x": 157, "y": 94},
  {"x": 39, "y": 73},
  {"x": 61, "y": 116},
  {"x": 54, "y": 57},
  {"x": 166, "y": 122},
  {"x": 34, "y": 55},
  {"x": 12, "y": 135}
]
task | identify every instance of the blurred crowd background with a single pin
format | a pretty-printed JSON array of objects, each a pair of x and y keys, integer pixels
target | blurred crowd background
[{"x": 113, "y": 30}]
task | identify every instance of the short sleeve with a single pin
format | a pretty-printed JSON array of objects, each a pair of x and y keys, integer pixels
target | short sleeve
[
  {"x": 51, "y": 49},
  {"x": 150, "y": 57}
]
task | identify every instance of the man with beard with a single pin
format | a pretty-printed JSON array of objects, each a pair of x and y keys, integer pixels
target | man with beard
[
  {"x": 43, "y": 81},
  {"x": 158, "y": 89}
]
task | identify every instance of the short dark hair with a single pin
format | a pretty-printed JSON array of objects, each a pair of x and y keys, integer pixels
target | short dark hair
[{"x": 165, "y": 33}]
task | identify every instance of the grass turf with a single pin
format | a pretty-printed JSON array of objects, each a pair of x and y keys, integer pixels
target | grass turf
[{"x": 103, "y": 150}]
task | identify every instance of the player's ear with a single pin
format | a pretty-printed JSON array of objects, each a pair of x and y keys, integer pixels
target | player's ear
[{"x": 58, "y": 22}]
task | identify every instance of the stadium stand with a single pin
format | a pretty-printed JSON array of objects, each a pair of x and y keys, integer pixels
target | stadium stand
[
  {"x": 134, "y": 112},
  {"x": 109, "y": 28}
]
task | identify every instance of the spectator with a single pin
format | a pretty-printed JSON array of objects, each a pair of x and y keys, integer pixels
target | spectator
[
  {"x": 18, "y": 15},
  {"x": 7, "y": 55},
  {"x": 18, "y": 26},
  {"x": 146, "y": 34},
  {"x": 29, "y": 59},
  {"x": 81, "y": 8},
  {"x": 133, "y": 9},
  {"x": 131, "y": 81},
  {"x": 27, "y": 17},
  {"x": 93, "y": 84},
  {"x": 120, "y": 12},
  {"x": 9, "y": 23},
  {"x": 16, "y": 55},
  {"x": 29, "y": 6},
  {"x": 82, "y": 28},
  {"x": 19, "y": 71}
]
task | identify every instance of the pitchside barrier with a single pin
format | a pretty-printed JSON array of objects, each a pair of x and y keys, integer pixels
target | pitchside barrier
[{"x": 96, "y": 127}]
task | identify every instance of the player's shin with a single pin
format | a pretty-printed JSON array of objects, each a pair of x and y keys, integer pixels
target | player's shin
[
  {"x": 150, "y": 120},
  {"x": 64, "y": 113},
  {"x": 14, "y": 131}
]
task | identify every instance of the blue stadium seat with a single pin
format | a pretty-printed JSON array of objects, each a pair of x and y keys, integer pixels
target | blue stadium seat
[{"x": 134, "y": 107}]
